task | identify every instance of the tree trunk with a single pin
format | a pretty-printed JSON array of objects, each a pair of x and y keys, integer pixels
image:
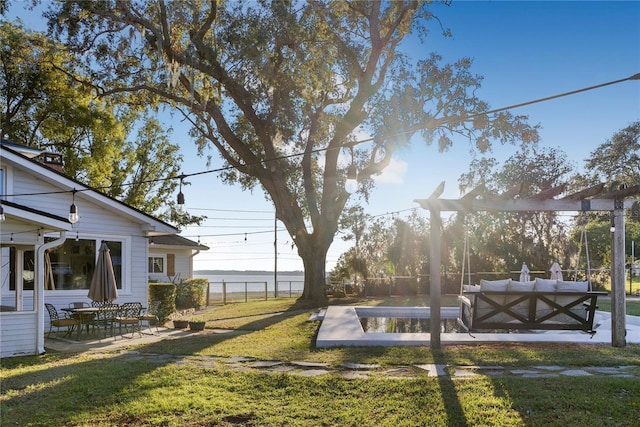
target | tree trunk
[{"x": 314, "y": 256}]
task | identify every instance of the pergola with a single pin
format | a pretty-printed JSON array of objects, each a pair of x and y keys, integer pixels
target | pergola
[{"x": 590, "y": 199}]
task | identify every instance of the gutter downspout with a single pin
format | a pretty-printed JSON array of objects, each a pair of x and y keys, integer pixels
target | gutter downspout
[
  {"x": 192, "y": 256},
  {"x": 39, "y": 289}
]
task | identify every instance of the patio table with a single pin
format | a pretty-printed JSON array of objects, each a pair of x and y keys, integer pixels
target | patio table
[{"x": 87, "y": 315}]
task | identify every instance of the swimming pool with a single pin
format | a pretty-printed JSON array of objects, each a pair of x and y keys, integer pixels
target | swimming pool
[{"x": 341, "y": 327}]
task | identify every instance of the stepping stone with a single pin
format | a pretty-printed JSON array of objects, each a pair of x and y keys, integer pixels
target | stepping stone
[
  {"x": 353, "y": 375},
  {"x": 550, "y": 368},
  {"x": 264, "y": 364},
  {"x": 524, "y": 372},
  {"x": 576, "y": 373},
  {"x": 540, "y": 375},
  {"x": 608, "y": 370},
  {"x": 282, "y": 369},
  {"x": 397, "y": 371},
  {"x": 434, "y": 370},
  {"x": 310, "y": 372},
  {"x": 350, "y": 365},
  {"x": 310, "y": 364}
]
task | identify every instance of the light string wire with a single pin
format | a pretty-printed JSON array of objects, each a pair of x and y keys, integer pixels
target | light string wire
[{"x": 449, "y": 120}]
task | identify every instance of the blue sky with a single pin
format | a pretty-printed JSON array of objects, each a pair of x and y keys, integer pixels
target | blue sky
[{"x": 524, "y": 50}]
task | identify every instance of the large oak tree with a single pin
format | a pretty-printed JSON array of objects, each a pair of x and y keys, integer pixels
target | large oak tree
[
  {"x": 285, "y": 91},
  {"x": 47, "y": 103}
]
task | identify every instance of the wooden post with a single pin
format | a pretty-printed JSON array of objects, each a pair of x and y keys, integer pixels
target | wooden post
[
  {"x": 224, "y": 293},
  {"x": 434, "y": 270},
  {"x": 618, "y": 305}
]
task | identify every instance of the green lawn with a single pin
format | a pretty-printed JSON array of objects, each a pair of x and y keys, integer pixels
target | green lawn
[{"x": 113, "y": 390}]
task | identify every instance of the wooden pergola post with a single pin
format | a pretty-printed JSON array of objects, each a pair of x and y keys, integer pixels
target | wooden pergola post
[
  {"x": 618, "y": 305},
  {"x": 434, "y": 278}
]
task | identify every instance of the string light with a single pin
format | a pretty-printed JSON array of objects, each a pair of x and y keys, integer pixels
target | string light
[
  {"x": 181, "y": 196},
  {"x": 613, "y": 223},
  {"x": 73, "y": 209},
  {"x": 2, "y": 218}
]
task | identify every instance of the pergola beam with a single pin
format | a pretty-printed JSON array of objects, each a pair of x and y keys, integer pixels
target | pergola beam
[{"x": 520, "y": 205}]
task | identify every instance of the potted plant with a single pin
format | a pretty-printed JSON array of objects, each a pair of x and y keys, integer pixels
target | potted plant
[
  {"x": 197, "y": 323},
  {"x": 180, "y": 322}
]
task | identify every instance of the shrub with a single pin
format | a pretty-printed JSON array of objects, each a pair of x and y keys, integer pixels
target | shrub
[
  {"x": 191, "y": 293},
  {"x": 166, "y": 293}
]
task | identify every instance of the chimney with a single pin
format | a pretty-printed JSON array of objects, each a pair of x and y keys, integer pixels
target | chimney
[{"x": 53, "y": 160}]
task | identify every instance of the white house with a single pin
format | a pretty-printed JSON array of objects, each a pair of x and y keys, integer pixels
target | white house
[
  {"x": 36, "y": 235},
  {"x": 171, "y": 257}
]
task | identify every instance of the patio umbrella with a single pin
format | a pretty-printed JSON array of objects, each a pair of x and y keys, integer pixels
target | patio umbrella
[
  {"x": 103, "y": 283},
  {"x": 524, "y": 273},
  {"x": 556, "y": 271}
]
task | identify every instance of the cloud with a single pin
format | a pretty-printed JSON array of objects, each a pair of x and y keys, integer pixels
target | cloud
[{"x": 394, "y": 173}]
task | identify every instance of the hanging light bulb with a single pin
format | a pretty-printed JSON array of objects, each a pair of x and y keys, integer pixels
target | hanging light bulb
[
  {"x": 2, "y": 218},
  {"x": 73, "y": 209},
  {"x": 613, "y": 223},
  {"x": 351, "y": 185},
  {"x": 181, "y": 197}
]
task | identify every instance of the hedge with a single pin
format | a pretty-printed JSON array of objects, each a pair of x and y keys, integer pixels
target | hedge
[
  {"x": 191, "y": 293},
  {"x": 166, "y": 293}
]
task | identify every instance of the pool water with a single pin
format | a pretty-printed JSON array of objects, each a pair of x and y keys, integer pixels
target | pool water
[{"x": 406, "y": 325}]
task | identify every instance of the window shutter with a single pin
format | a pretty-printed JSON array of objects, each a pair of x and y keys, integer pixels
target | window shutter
[{"x": 171, "y": 264}]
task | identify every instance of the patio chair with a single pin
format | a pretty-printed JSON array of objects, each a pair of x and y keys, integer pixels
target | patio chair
[
  {"x": 88, "y": 319},
  {"x": 105, "y": 316},
  {"x": 151, "y": 315},
  {"x": 128, "y": 316},
  {"x": 60, "y": 322}
]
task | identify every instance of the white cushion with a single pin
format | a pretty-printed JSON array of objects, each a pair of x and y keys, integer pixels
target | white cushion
[
  {"x": 545, "y": 285},
  {"x": 572, "y": 286},
  {"x": 471, "y": 288},
  {"x": 494, "y": 285},
  {"x": 515, "y": 286}
]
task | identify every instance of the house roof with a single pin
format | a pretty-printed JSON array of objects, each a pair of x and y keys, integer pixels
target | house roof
[
  {"x": 25, "y": 150},
  {"x": 155, "y": 226},
  {"x": 45, "y": 219},
  {"x": 174, "y": 240}
]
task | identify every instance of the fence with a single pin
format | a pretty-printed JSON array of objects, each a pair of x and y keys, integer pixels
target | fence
[
  {"x": 226, "y": 292},
  {"x": 450, "y": 282}
]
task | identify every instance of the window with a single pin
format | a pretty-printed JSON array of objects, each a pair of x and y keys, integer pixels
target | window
[
  {"x": 71, "y": 265},
  {"x": 156, "y": 265},
  {"x": 28, "y": 273}
]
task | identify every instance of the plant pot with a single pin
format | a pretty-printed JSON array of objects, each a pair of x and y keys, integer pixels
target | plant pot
[
  {"x": 180, "y": 324},
  {"x": 196, "y": 326}
]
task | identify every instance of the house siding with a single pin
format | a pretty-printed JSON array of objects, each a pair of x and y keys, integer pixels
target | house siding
[{"x": 13, "y": 328}]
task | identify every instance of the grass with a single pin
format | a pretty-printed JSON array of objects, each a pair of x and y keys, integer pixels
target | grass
[{"x": 114, "y": 390}]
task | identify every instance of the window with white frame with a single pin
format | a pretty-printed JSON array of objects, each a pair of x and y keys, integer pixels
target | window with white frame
[
  {"x": 71, "y": 265},
  {"x": 156, "y": 264}
]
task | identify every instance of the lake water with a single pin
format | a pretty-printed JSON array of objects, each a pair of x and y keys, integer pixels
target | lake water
[{"x": 239, "y": 282}]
